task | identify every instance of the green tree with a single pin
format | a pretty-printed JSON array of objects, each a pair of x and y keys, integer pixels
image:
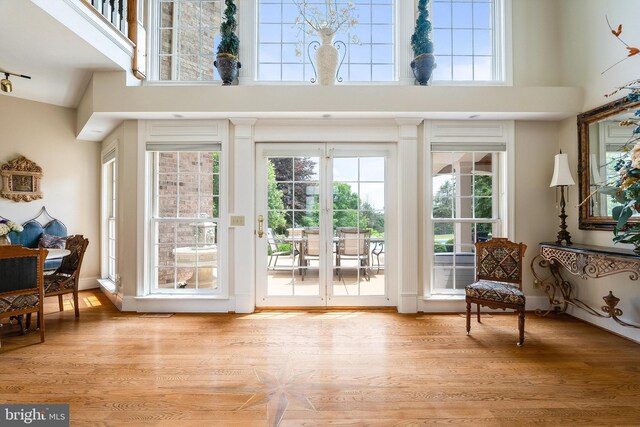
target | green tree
[
  {"x": 374, "y": 219},
  {"x": 345, "y": 207},
  {"x": 277, "y": 220},
  {"x": 443, "y": 207}
]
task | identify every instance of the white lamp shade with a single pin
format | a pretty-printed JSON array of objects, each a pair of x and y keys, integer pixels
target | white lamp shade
[{"x": 561, "y": 172}]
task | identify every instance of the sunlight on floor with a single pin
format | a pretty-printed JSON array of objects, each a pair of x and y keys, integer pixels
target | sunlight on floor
[{"x": 91, "y": 301}]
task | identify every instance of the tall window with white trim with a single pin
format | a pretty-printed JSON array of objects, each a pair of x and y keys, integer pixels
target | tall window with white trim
[
  {"x": 185, "y": 217},
  {"x": 109, "y": 200},
  {"x": 466, "y": 207},
  {"x": 468, "y": 42}
]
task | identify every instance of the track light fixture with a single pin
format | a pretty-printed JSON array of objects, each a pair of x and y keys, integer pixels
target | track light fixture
[{"x": 5, "y": 84}]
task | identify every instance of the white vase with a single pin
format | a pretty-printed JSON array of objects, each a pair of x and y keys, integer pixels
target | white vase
[
  {"x": 327, "y": 58},
  {"x": 4, "y": 240}
]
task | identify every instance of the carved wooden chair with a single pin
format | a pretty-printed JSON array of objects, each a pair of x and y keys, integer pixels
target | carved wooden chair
[
  {"x": 498, "y": 280},
  {"x": 21, "y": 287},
  {"x": 65, "y": 279}
]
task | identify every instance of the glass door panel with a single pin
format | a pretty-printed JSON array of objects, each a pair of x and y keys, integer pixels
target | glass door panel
[
  {"x": 293, "y": 211},
  {"x": 358, "y": 226},
  {"x": 325, "y": 218}
]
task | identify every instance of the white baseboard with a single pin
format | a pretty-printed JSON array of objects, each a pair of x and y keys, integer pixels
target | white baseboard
[
  {"x": 87, "y": 283},
  {"x": 458, "y": 305},
  {"x": 178, "y": 304}
]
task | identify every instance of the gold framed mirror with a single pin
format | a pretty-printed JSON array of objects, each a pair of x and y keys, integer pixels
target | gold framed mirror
[{"x": 601, "y": 140}]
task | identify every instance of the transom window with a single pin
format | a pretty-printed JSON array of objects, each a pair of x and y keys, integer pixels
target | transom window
[
  {"x": 187, "y": 38},
  {"x": 468, "y": 38},
  {"x": 283, "y": 49},
  {"x": 465, "y": 39}
]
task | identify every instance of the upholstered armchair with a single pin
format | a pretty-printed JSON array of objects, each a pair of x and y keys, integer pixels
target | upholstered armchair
[
  {"x": 498, "y": 280},
  {"x": 65, "y": 279}
]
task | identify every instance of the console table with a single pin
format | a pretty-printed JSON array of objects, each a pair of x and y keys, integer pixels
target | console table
[{"x": 586, "y": 261}]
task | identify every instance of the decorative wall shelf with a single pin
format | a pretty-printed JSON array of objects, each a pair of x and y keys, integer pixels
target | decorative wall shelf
[{"x": 585, "y": 261}]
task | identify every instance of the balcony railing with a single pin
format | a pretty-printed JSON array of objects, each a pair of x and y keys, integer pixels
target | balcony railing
[
  {"x": 115, "y": 11},
  {"x": 125, "y": 16}
]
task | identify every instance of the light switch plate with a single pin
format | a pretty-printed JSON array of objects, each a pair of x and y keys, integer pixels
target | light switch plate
[{"x": 237, "y": 220}]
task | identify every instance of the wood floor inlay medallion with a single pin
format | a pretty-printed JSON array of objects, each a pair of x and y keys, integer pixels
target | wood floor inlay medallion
[{"x": 278, "y": 392}]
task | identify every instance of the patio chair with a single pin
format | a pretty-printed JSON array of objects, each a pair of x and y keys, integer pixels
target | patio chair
[
  {"x": 353, "y": 244},
  {"x": 275, "y": 251},
  {"x": 498, "y": 280},
  {"x": 378, "y": 249},
  {"x": 310, "y": 248},
  {"x": 65, "y": 279}
]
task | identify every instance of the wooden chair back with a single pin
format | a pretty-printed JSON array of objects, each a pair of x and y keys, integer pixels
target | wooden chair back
[
  {"x": 21, "y": 287},
  {"x": 500, "y": 260},
  {"x": 71, "y": 263}
]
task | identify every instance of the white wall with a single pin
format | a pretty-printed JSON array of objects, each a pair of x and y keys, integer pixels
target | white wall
[
  {"x": 45, "y": 134},
  {"x": 535, "y": 214},
  {"x": 589, "y": 48},
  {"x": 536, "y": 30}
]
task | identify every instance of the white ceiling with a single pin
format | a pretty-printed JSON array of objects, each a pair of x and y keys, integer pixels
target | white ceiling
[{"x": 59, "y": 62}]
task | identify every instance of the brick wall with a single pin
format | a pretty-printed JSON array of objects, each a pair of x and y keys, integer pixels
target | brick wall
[{"x": 191, "y": 27}]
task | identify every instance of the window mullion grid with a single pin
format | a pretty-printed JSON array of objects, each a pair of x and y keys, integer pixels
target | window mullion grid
[
  {"x": 451, "y": 35},
  {"x": 200, "y": 41},
  {"x": 281, "y": 41},
  {"x": 178, "y": 217},
  {"x": 496, "y": 69},
  {"x": 197, "y": 221},
  {"x": 473, "y": 45}
]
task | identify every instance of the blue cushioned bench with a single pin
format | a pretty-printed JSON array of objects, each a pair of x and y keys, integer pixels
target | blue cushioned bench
[{"x": 33, "y": 230}]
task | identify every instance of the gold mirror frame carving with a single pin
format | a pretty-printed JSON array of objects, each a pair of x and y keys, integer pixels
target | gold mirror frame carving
[
  {"x": 588, "y": 221},
  {"x": 21, "y": 180}
]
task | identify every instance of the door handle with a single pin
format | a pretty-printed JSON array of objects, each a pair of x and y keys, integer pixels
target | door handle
[{"x": 260, "y": 226}]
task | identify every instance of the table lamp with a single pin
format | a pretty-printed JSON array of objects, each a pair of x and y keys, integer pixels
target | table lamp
[{"x": 561, "y": 178}]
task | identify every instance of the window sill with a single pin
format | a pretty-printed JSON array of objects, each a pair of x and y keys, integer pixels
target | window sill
[
  {"x": 181, "y": 297},
  {"x": 108, "y": 285},
  {"x": 444, "y": 298}
]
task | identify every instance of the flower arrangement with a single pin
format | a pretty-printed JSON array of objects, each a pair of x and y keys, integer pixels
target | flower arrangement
[
  {"x": 625, "y": 188},
  {"x": 7, "y": 226},
  {"x": 327, "y": 18}
]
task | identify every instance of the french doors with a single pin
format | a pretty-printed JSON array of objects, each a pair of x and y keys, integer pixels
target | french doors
[{"x": 325, "y": 225}]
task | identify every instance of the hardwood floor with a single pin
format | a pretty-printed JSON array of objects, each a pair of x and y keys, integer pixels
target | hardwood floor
[{"x": 317, "y": 368}]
